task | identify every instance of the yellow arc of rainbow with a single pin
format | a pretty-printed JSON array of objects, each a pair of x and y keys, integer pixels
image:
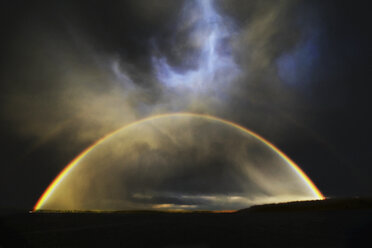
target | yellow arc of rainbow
[{"x": 76, "y": 160}]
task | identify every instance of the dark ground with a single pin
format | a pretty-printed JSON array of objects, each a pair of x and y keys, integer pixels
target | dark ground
[{"x": 344, "y": 223}]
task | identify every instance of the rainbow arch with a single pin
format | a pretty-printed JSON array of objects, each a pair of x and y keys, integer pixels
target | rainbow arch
[{"x": 54, "y": 184}]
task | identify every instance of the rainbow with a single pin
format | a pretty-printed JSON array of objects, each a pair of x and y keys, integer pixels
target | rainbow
[{"x": 75, "y": 161}]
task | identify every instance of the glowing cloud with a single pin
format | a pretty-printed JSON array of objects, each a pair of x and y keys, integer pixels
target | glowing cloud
[{"x": 212, "y": 65}]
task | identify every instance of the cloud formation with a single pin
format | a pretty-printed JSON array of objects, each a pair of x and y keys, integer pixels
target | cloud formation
[{"x": 75, "y": 79}]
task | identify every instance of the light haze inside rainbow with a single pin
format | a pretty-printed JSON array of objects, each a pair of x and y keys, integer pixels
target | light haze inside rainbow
[{"x": 180, "y": 161}]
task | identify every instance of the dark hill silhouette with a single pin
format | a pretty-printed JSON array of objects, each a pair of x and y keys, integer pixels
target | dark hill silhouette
[
  {"x": 331, "y": 204},
  {"x": 328, "y": 223}
]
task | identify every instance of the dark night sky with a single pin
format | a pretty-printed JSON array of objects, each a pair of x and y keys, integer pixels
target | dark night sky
[{"x": 52, "y": 107}]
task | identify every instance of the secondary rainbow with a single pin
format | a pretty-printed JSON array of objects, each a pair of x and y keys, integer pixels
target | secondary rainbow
[{"x": 76, "y": 160}]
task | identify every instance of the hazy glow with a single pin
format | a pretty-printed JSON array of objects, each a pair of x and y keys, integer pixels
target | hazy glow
[
  {"x": 212, "y": 64},
  {"x": 260, "y": 172}
]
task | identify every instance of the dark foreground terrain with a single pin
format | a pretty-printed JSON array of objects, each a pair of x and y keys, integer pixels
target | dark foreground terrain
[{"x": 329, "y": 223}]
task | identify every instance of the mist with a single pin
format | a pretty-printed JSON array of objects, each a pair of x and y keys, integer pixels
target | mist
[{"x": 183, "y": 162}]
